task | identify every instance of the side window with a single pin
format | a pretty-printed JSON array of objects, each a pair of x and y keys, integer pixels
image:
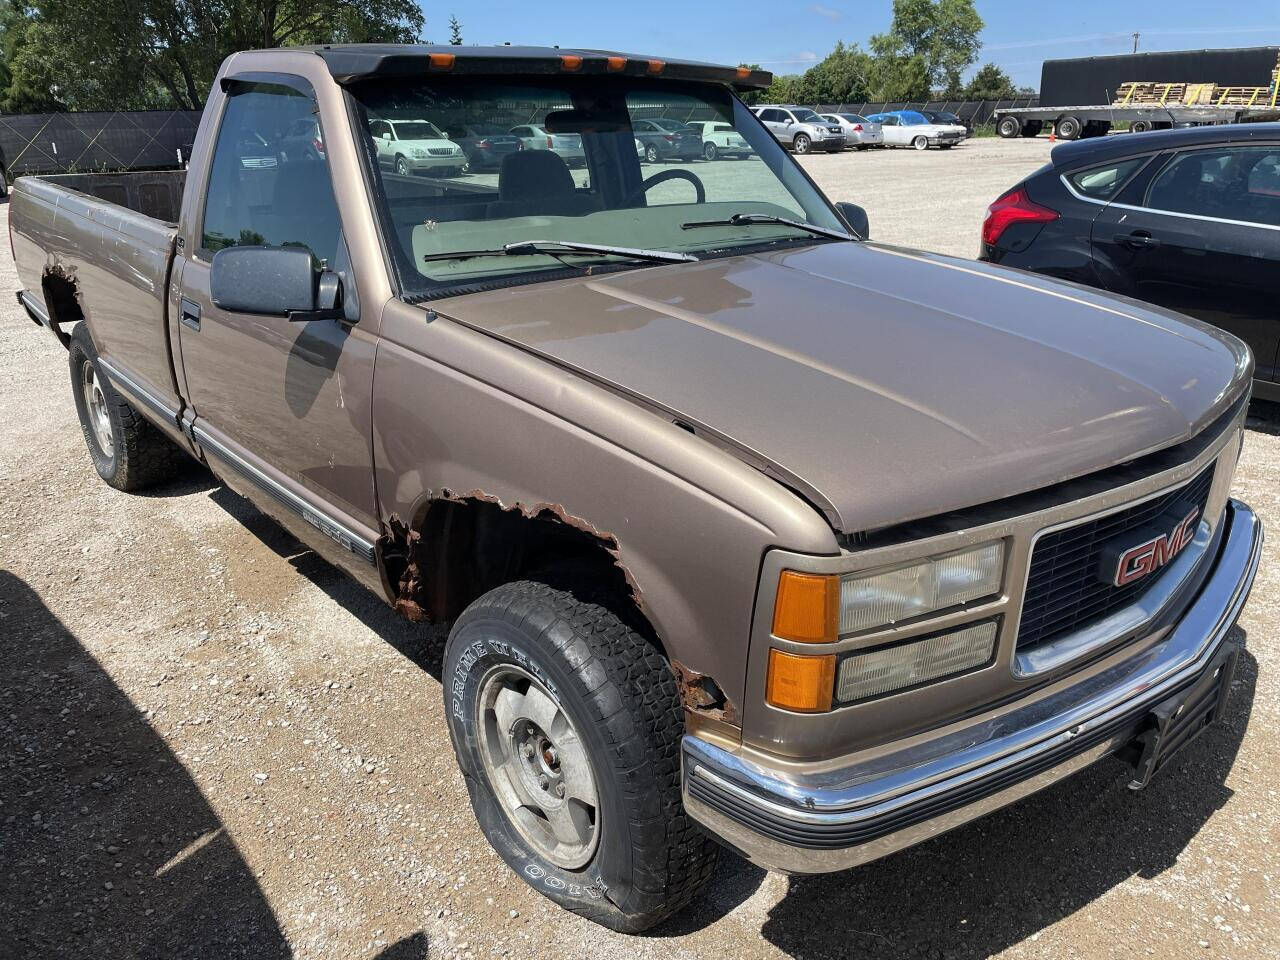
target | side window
[
  {"x": 258, "y": 197},
  {"x": 1236, "y": 183},
  {"x": 1104, "y": 182}
]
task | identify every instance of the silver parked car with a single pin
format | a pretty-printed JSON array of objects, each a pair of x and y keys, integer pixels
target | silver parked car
[
  {"x": 567, "y": 146},
  {"x": 800, "y": 128},
  {"x": 859, "y": 132}
]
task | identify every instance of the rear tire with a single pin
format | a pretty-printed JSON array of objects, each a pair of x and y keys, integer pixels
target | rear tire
[
  {"x": 127, "y": 451},
  {"x": 1009, "y": 127},
  {"x": 1067, "y": 128},
  {"x": 1140, "y": 126},
  {"x": 651, "y": 153},
  {"x": 920, "y": 143},
  {"x": 709, "y": 151},
  {"x": 566, "y": 723}
]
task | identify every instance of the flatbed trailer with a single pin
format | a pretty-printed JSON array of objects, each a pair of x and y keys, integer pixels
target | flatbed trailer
[{"x": 1074, "y": 122}]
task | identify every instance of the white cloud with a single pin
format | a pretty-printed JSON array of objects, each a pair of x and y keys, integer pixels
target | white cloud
[{"x": 827, "y": 12}]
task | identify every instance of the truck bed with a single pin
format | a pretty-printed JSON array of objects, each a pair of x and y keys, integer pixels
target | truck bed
[{"x": 101, "y": 246}]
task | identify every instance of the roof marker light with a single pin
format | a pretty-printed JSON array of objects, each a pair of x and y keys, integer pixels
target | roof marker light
[
  {"x": 617, "y": 63},
  {"x": 570, "y": 62},
  {"x": 441, "y": 61}
]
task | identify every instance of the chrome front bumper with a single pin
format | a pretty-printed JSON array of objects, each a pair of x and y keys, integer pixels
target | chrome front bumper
[{"x": 826, "y": 820}]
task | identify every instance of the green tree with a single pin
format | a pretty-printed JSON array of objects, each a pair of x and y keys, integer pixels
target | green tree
[
  {"x": 126, "y": 54},
  {"x": 938, "y": 37},
  {"x": 990, "y": 83},
  {"x": 20, "y": 92},
  {"x": 841, "y": 77},
  {"x": 455, "y": 31}
]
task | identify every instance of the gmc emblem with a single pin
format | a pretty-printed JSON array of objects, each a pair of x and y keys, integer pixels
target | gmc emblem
[{"x": 1149, "y": 556}]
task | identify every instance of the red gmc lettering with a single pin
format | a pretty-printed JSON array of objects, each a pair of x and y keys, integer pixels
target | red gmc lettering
[{"x": 1136, "y": 562}]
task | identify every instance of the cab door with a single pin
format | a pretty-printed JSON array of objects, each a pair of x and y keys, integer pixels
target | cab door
[
  {"x": 281, "y": 409},
  {"x": 1202, "y": 236}
]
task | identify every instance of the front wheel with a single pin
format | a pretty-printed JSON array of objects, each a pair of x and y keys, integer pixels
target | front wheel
[
  {"x": 651, "y": 153},
  {"x": 709, "y": 151},
  {"x": 801, "y": 143},
  {"x": 566, "y": 722},
  {"x": 920, "y": 143},
  {"x": 402, "y": 166}
]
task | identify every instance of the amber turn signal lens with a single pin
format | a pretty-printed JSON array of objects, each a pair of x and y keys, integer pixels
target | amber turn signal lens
[
  {"x": 441, "y": 61},
  {"x": 570, "y": 62},
  {"x": 807, "y": 608},
  {"x": 617, "y": 63},
  {"x": 798, "y": 683}
]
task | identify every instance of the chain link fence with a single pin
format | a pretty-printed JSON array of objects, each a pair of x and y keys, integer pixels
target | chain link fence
[
  {"x": 96, "y": 141},
  {"x": 976, "y": 114}
]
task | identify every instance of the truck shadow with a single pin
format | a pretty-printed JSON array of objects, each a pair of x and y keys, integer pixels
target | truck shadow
[
  {"x": 997, "y": 881},
  {"x": 110, "y": 848}
]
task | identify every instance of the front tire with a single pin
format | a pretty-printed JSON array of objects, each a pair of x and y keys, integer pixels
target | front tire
[
  {"x": 402, "y": 166},
  {"x": 127, "y": 451},
  {"x": 566, "y": 723},
  {"x": 709, "y": 151},
  {"x": 920, "y": 143},
  {"x": 801, "y": 143},
  {"x": 651, "y": 153}
]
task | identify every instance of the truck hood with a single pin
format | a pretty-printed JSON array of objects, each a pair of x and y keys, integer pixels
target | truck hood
[{"x": 883, "y": 384}]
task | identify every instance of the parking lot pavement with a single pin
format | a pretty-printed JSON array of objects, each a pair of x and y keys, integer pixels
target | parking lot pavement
[{"x": 213, "y": 745}]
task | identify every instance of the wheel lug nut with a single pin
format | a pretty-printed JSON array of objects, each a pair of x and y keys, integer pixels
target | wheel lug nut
[
  {"x": 542, "y": 782},
  {"x": 527, "y": 751},
  {"x": 559, "y": 789}
]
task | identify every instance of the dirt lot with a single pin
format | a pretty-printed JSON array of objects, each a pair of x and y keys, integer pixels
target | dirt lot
[{"x": 214, "y": 745}]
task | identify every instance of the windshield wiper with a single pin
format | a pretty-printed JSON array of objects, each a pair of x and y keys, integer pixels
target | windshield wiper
[
  {"x": 557, "y": 248},
  {"x": 747, "y": 219}
]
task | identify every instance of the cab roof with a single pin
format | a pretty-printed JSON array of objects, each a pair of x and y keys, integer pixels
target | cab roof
[{"x": 358, "y": 61}]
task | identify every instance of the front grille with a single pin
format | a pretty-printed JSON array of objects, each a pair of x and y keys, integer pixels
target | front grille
[
  {"x": 1064, "y": 592},
  {"x": 440, "y": 151}
]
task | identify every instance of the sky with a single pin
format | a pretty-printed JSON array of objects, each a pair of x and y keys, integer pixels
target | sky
[{"x": 788, "y": 37}]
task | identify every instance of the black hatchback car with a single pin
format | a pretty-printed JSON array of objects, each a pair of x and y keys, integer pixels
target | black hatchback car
[{"x": 1186, "y": 219}]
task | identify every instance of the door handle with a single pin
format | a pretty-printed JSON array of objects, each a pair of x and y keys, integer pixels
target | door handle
[
  {"x": 189, "y": 314},
  {"x": 1138, "y": 240}
]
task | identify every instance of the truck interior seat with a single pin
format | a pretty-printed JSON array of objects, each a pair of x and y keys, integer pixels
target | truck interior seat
[{"x": 538, "y": 183}]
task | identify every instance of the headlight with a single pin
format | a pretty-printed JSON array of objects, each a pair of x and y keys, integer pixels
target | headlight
[
  {"x": 878, "y": 599},
  {"x": 818, "y": 609},
  {"x": 418, "y": 153},
  {"x": 894, "y": 668}
]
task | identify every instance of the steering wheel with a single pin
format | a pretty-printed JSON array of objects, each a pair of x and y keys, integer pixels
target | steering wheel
[{"x": 664, "y": 175}]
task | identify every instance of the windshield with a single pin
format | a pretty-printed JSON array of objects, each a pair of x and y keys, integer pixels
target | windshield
[
  {"x": 583, "y": 180},
  {"x": 806, "y": 116},
  {"x": 417, "y": 130}
]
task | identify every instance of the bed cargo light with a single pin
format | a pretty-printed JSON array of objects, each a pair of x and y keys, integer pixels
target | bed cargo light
[{"x": 802, "y": 684}]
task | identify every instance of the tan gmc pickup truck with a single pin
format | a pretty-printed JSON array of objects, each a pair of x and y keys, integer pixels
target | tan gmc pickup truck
[{"x": 748, "y": 528}]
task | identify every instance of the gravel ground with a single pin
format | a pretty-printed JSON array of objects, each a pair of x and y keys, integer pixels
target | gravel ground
[{"x": 213, "y": 745}]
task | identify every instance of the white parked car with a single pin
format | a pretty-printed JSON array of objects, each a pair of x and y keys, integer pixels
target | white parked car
[
  {"x": 859, "y": 132},
  {"x": 907, "y": 128},
  {"x": 722, "y": 140},
  {"x": 416, "y": 146},
  {"x": 566, "y": 146}
]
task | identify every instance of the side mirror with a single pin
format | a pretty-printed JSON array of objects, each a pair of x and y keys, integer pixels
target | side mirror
[
  {"x": 274, "y": 282},
  {"x": 790, "y": 121},
  {"x": 856, "y": 219}
]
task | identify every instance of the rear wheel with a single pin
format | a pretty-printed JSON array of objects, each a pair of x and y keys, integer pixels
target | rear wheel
[
  {"x": 1140, "y": 126},
  {"x": 920, "y": 143},
  {"x": 801, "y": 143},
  {"x": 709, "y": 151},
  {"x": 651, "y": 153},
  {"x": 127, "y": 451},
  {"x": 1067, "y": 128},
  {"x": 566, "y": 723},
  {"x": 1009, "y": 127}
]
